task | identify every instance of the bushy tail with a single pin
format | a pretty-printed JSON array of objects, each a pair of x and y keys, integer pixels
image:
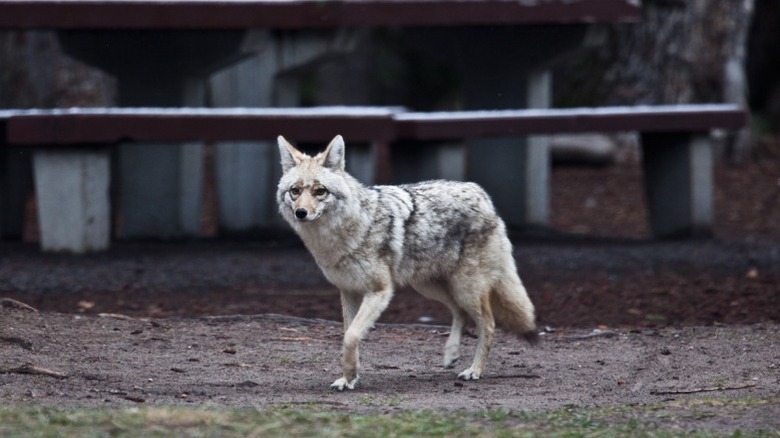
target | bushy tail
[{"x": 512, "y": 308}]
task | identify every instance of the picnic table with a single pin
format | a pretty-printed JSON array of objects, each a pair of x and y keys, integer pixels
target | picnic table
[
  {"x": 162, "y": 52},
  {"x": 675, "y": 139}
]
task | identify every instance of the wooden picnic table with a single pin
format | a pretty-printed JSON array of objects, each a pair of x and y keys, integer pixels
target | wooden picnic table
[{"x": 162, "y": 52}]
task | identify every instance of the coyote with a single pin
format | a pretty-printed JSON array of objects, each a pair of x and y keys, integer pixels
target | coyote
[{"x": 442, "y": 238}]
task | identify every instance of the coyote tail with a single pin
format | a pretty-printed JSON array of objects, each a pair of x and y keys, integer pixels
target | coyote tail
[{"x": 513, "y": 309}]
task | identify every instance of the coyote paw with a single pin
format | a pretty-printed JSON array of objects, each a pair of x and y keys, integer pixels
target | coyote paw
[
  {"x": 342, "y": 383},
  {"x": 450, "y": 357},
  {"x": 469, "y": 374}
]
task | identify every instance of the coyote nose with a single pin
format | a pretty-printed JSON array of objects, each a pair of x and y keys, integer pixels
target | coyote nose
[{"x": 301, "y": 213}]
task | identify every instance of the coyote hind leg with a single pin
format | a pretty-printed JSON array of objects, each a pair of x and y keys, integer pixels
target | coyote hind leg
[
  {"x": 480, "y": 311},
  {"x": 452, "y": 346},
  {"x": 442, "y": 294}
]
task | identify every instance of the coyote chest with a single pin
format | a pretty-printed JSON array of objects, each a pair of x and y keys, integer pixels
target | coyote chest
[{"x": 360, "y": 245}]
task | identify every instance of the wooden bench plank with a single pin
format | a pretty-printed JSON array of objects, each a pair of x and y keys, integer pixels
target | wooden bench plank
[
  {"x": 113, "y": 125},
  {"x": 677, "y": 151},
  {"x": 287, "y": 14},
  {"x": 676, "y": 146},
  {"x": 515, "y": 123}
]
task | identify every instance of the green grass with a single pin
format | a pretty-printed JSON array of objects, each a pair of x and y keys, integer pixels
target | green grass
[{"x": 662, "y": 420}]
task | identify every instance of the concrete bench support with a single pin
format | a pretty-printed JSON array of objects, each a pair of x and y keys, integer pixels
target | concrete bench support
[
  {"x": 678, "y": 154},
  {"x": 244, "y": 181},
  {"x": 161, "y": 184},
  {"x": 537, "y": 154},
  {"x": 362, "y": 162},
  {"x": 247, "y": 172},
  {"x": 73, "y": 200},
  {"x": 161, "y": 196},
  {"x": 417, "y": 161},
  {"x": 516, "y": 171},
  {"x": 678, "y": 171},
  {"x": 161, "y": 189}
]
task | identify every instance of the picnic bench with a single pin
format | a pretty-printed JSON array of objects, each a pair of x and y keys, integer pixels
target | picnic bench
[
  {"x": 73, "y": 149},
  {"x": 677, "y": 151},
  {"x": 676, "y": 148}
]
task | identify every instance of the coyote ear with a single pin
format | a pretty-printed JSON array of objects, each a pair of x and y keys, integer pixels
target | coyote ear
[
  {"x": 333, "y": 157},
  {"x": 291, "y": 157}
]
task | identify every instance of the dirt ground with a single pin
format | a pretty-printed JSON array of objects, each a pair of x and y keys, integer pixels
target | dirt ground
[
  {"x": 628, "y": 321},
  {"x": 271, "y": 360}
]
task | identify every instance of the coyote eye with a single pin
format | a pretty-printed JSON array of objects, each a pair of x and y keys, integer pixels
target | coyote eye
[
  {"x": 295, "y": 191},
  {"x": 321, "y": 192}
]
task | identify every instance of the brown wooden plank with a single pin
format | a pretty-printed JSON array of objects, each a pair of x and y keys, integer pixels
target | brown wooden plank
[
  {"x": 456, "y": 125},
  {"x": 53, "y": 128},
  {"x": 290, "y": 14},
  {"x": 112, "y": 125}
]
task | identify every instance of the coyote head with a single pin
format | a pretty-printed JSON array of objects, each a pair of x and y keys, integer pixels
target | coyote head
[{"x": 310, "y": 185}]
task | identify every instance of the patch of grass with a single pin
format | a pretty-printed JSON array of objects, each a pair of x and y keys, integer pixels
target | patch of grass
[
  {"x": 661, "y": 420},
  {"x": 375, "y": 401},
  {"x": 690, "y": 417}
]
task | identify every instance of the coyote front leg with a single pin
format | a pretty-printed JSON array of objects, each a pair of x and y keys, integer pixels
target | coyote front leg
[{"x": 373, "y": 305}]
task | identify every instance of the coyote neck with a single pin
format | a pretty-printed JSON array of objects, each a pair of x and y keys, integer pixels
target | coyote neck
[{"x": 336, "y": 236}]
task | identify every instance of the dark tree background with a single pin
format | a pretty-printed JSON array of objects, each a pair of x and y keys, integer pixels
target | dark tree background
[
  {"x": 34, "y": 73},
  {"x": 682, "y": 51},
  {"x": 763, "y": 63}
]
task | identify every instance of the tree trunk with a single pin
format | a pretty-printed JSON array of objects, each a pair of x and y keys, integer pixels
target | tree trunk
[{"x": 682, "y": 51}]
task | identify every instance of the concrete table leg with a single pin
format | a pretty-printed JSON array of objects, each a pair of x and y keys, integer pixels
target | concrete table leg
[
  {"x": 362, "y": 161},
  {"x": 510, "y": 68},
  {"x": 161, "y": 195},
  {"x": 515, "y": 171},
  {"x": 247, "y": 172},
  {"x": 161, "y": 189},
  {"x": 420, "y": 161},
  {"x": 73, "y": 200},
  {"x": 678, "y": 173},
  {"x": 537, "y": 151},
  {"x": 161, "y": 184}
]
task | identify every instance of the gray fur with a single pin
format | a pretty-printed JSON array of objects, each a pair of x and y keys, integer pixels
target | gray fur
[{"x": 443, "y": 238}]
